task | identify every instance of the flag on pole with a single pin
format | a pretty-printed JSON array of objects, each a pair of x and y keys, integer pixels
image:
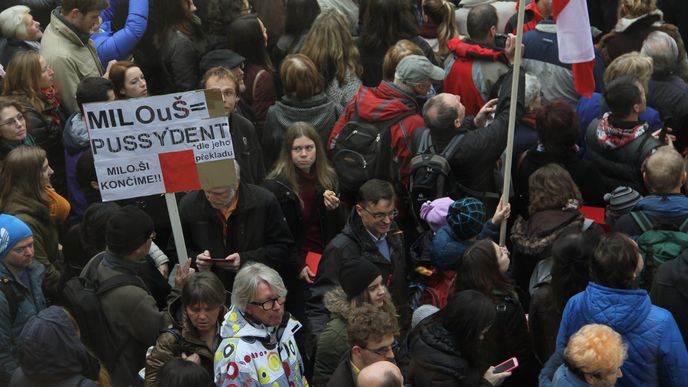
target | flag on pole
[{"x": 575, "y": 42}]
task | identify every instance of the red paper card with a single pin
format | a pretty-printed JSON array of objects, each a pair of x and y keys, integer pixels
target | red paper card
[
  {"x": 179, "y": 171},
  {"x": 312, "y": 261}
]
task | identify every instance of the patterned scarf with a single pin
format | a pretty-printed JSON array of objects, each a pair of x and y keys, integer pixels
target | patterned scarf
[
  {"x": 52, "y": 98},
  {"x": 610, "y": 137}
]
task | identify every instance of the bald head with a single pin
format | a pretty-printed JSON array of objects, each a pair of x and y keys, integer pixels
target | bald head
[
  {"x": 380, "y": 374},
  {"x": 444, "y": 112},
  {"x": 665, "y": 171}
]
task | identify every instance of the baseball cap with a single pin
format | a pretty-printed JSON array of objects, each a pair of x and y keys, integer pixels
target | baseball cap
[{"x": 415, "y": 69}]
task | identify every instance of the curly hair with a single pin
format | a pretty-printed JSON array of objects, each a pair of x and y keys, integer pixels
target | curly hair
[
  {"x": 596, "y": 349},
  {"x": 635, "y": 8},
  {"x": 368, "y": 322},
  {"x": 551, "y": 187}
]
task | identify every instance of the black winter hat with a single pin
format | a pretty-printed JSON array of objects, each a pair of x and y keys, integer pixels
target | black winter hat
[
  {"x": 128, "y": 229},
  {"x": 355, "y": 276}
]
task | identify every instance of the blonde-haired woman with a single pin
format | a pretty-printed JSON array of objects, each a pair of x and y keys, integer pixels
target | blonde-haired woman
[
  {"x": 593, "y": 356},
  {"x": 330, "y": 46},
  {"x": 438, "y": 26}
]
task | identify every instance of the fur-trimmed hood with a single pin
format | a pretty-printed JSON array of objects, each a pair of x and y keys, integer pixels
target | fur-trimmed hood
[{"x": 335, "y": 301}]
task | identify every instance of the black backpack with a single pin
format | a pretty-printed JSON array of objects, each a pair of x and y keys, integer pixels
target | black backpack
[
  {"x": 81, "y": 296},
  {"x": 431, "y": 176},
  {"x": 362, "y": 151}
]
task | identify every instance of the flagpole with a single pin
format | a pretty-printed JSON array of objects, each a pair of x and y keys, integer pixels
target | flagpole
[{"x": 512, "y": 115}]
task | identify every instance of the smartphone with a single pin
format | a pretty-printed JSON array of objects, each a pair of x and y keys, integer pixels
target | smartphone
[
  {"x": 506, "y": 366},
  {"x": 663, "y": 131}
]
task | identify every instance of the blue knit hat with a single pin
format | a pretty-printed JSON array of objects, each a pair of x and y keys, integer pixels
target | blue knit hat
[
  {"x": 466, "y": 217},
  {"x": 12, "y": 231}
]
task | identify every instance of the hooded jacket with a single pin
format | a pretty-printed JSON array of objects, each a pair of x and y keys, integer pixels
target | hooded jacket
[
  {"x": 333, "y": 341},
  {"x": 51, "y": 354},
  {"x": 668, "y": 212},
  {"x": 474, "y": 72},
  {"x": 447, "y": 249},
  {"x": 384, "y": 103},
  {"x": 630, "y": 33},
  {"x": 353, "y": 242},
  {"x": 564, "y": 377},
  {"x": 619, "y": 149},
  {"x": 670, "y": 290},
  {"x": 656, "y": 352},
  {"x": 317, "y": 110},
  {"x": 71, "y": 56},
  {"x": 179, "y": 337},
  {"x": 435, "y": 360},
  {"x": 246, "y": 356},
  {"x": 45, "y": 238},
  {"x": 31, "y": 302}
]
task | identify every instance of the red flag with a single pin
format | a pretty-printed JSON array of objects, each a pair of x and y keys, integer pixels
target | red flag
[{"x": 575, "y": 42}]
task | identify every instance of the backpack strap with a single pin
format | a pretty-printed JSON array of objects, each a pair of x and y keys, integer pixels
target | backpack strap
[
  {"x": 425, "y": 144},
  {"x": 11, "y": 297},
  {"x": 684, "y": 226},
  {"x": 643, "y": 221},
  {"x": 587, "y": 223},
  {"x": 119, "y": 281},
  {"x": 451, "y": 147}
]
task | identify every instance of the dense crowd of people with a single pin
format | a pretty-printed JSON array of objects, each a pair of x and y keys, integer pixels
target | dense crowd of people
[{"x": 359, "y": 241}]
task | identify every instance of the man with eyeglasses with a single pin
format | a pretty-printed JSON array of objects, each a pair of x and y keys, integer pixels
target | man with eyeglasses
[
  {"x": 21, "y": 296},
  {"x": 371, "y": 333},
  {"x": 372, "y": 234},
  {"x": 258, "y": 346}
]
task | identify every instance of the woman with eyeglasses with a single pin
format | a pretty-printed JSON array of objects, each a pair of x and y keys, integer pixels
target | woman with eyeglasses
[
  {"x": 30, "y": 81},
  {"x": 194, "y": 335},
  {"x": 483, "y": 268},
  {"x": 305, "y": 186},
  {"x": 360, "y": 283},
  {"x": 26, "y": 193},
  {"x": 445, "y": 348},
  {"x": 13, "y": 132}
]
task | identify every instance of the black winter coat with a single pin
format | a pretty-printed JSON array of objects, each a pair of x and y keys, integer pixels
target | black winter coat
[
  {"x": 331, "y": 222},
  {"x": 353, "y": 242},
  {"x": 180, "y": 55},
  {"x": 247, "y": 150},
  {"x": 12, "y": 48},
  {"x": 256, "y": 230},
  {"x": 435, "y": 361},
  {"x": 669, "y": 96}
]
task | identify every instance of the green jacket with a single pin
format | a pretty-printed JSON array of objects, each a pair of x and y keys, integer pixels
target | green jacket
[
  {"x": 45, "y": 238},
  {"x": 333, "y": 342}
]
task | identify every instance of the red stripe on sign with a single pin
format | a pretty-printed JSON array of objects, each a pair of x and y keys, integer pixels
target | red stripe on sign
[{"x": 179, "y": 171}]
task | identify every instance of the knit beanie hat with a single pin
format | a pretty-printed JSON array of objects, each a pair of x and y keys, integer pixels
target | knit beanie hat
[
  {"x": 466, "y": 217},
  {"x": 622, "y": 199},
  {"x": 127, "y": 230},
  {"x": 355, "y": 276},
  {"x": 434, "y": 213},
  {"x": 421, "y": 313},
  {"x": 12, "y": 231}
]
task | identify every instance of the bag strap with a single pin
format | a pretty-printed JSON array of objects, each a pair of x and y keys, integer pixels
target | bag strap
[
  {"x": 11, "y": 297},
  {"x": 255, "y": 82},
  {"x": 119, "y": 281},
  {"x": 684, "y": 226},
  {"x": 451, "y": 148},
  {"x": 643, "y": 221},
  {"x": 587, "y": 223},
  {"x": 425, "y": 144}
]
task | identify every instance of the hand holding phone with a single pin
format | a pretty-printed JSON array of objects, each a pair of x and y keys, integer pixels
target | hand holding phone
[{"x": 506, "y": 366}]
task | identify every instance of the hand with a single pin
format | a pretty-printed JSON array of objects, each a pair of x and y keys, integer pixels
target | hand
[
  {"x": 495, "y": 379},
  {"x": 331, "y": 200},
  {"x": 510, "y": 48},
  {"x": 194, "y": 358},
  {"x": 231, "y": 262},
  {"x": 307, "y": 275},
  {"x": 480, "y": 119},
  {"x": 668, "y": 139},
  {"x": 183, "y": 272},
  {"x": 501, "y": 213},
  {"x": 164, "y": 269},
  {"x": 203, "y": 261},
  {"x": 107, "y": 70}
]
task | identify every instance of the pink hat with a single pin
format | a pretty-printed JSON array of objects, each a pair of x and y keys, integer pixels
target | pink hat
[{"x": 435, "y": 212}]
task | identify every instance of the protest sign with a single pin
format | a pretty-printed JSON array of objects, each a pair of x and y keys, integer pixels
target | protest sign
[{"x": 155, "y": 145}]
